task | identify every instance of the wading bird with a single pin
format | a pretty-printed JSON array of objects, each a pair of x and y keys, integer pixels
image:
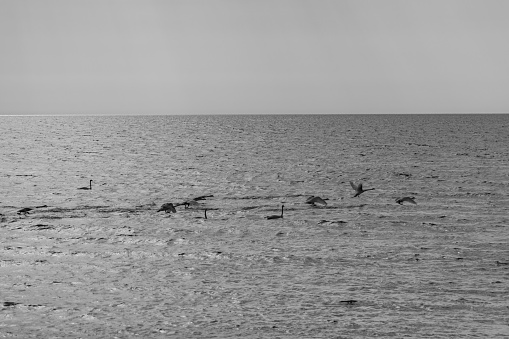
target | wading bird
[{"x": 358, "y": 189}]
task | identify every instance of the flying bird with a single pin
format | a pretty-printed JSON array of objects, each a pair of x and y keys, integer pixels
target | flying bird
[
  {"x": 358, "y": 189},
  {"x": 277, "y": 216},
  {"x": 24, "y": 210},
  {"x": 312, "y": 200},
  {"x": 168, "y": 207},
  {"x": 202, "y": 197},
  {"x": 86, "y": 187},
  {"x": 189, "y": 203},
  {"x": 407, "y": 199},
  {"x": 194, "y": 201}
]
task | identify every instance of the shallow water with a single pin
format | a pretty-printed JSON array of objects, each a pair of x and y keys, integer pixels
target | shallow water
[{"x": 102, "y": 263}]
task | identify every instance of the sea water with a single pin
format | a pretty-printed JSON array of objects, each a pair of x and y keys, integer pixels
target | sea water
[{"x": 103, "y": 263}]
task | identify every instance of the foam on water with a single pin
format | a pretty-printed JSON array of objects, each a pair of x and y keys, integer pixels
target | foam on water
[{"x": 104, "y": 263}]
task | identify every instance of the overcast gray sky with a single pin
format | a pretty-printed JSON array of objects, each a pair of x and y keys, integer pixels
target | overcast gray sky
[{"x": 253, "y": 56}]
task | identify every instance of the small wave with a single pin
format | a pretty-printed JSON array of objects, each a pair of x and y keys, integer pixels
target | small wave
[{"x": 264, "y": 197}]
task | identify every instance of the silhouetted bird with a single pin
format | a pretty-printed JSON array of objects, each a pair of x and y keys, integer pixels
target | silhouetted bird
[
  {"x": 204, "y": 217},
  {"x": 194, "y": 201},
  {"x": 203, "y": 197},
  {"x": 312, "y": 200},
  {"x": 277, "y": 216},
  {"x": 24, "y": 210},
  {"x": 191, "y": 203},
  {"x": 407, "y": 199},
  {"x": 168, "y": 207},
  {"x": 358, "y": 189},
  {"x": 86, "y": 187}
]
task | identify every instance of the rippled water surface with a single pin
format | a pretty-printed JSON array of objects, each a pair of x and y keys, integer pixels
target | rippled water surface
[{"x": 103, "y": 263}]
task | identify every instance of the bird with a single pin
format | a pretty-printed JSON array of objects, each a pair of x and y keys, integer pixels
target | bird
[
  {"x": 349, "y": 302},
  {"x": 202, "y": 197},
  {"x": 194, "y": 201},
  {"x": 408, "y": 199},
  {"x": 205, "y": 217},
  {"x": 277, "y": 216},
  {"x": 358, "y": 189},
  {"x": 312, "y": 200},
  {"x": 86, "y": 187},
  {"x": 168, "y": 207},
  {"x": 24, "y": 210}
]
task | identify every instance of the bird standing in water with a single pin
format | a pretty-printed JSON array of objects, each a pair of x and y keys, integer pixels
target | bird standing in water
[{"x": 358, "y": 189}]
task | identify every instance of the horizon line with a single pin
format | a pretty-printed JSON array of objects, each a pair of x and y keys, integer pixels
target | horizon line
[{"x": 236, "y": 114}]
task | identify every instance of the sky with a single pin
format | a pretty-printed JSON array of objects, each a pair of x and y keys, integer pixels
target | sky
[{"x": 253, "y": 56}]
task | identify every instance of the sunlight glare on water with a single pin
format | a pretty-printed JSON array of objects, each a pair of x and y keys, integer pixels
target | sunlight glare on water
[{"x": 103, "y": 263}]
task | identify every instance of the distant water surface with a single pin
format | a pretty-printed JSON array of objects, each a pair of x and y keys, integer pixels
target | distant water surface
[{"x": 104, "y": 263}]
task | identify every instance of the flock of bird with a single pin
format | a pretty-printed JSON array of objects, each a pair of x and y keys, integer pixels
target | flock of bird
[
  {"x": 312, "y": 200},
  {"x": 170, "y": 207}
]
